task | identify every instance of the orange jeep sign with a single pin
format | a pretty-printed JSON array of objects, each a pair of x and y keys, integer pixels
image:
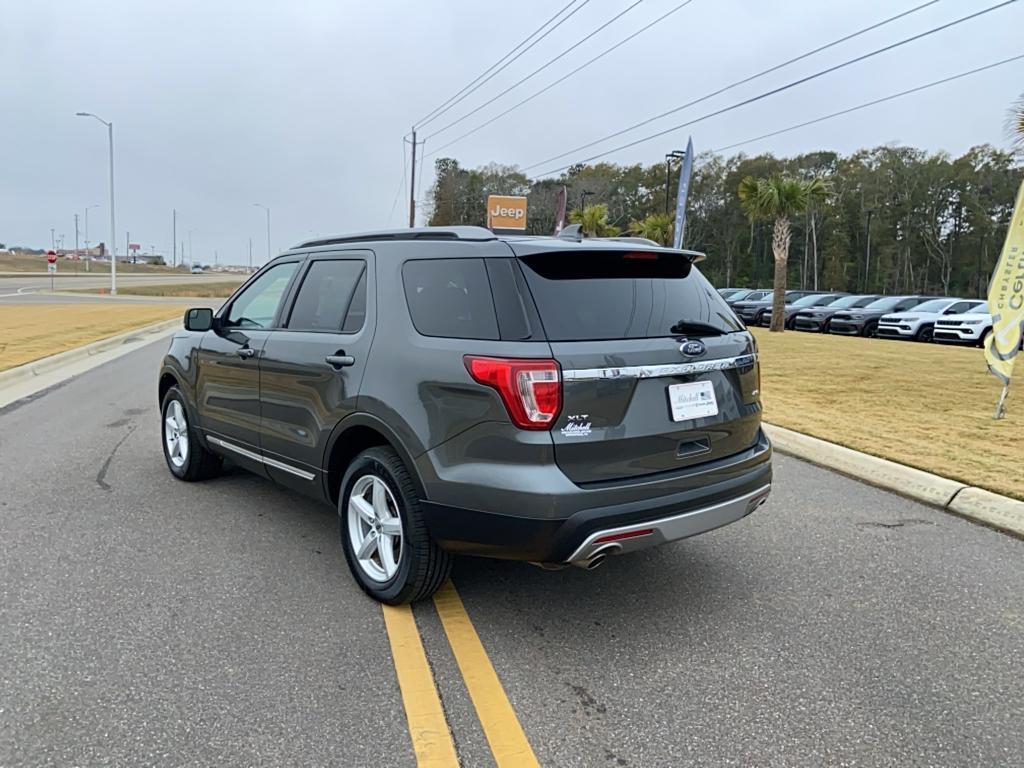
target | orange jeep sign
[{"x": 505, "y": 212}]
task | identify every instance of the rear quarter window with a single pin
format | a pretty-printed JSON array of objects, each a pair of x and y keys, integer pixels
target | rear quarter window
[{"x": 450, "y": 298}]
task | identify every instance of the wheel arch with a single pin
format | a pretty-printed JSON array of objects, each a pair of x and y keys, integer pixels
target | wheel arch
[{"x": 352, "y": 436}]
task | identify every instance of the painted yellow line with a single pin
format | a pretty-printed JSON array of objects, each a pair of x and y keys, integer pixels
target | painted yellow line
[
  {"x": 501, "y": 726},
  {"x": 431, "y": 739}
]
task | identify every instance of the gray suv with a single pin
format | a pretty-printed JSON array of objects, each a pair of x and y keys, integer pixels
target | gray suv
[{"x": 451, "y": 391}]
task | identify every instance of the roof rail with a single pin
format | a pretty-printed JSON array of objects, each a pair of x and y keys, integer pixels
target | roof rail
[{"x": 415, "y": 233}]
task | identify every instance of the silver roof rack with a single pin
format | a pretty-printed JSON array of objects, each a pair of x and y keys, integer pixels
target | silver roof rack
[{"x": 415, "y": 233}]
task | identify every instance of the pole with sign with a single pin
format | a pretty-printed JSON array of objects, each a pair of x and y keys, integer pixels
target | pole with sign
[{"x": 51, "y": 266}]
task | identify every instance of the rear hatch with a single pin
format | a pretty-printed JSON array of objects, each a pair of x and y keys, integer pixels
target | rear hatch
[{"x": 658, "y": 373}]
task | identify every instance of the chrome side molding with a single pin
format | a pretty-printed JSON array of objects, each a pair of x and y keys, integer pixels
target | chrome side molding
[
  {"x": 261, "y": 459},
  {"x": 656, "y": 371}
]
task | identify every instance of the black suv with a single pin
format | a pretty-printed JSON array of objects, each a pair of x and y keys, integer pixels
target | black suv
[{"x": 451, "y": 391}]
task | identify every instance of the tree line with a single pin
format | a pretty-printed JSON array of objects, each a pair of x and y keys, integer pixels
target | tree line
[{"x": 895, "y": 219}]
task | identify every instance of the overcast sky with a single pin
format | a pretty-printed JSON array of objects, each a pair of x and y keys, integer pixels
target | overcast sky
[{"x": 302, "y": 106}]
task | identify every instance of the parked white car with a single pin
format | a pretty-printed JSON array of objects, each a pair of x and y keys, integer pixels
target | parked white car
[
  {"x": 971, "y": 327},
  {"x": 919, "y": 323}
]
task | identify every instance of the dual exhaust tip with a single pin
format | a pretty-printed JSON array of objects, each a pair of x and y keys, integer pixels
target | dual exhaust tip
[{"x": 598, "y": 556}]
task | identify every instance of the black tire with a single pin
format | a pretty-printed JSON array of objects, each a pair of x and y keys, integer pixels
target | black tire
[
  {"x": 925, "y": 333},
  {"x": 423, "y": 566},
  {"x": 870, "y": 329},
  {"x": 199, "y": 463},
  {"x": 984, "y": 335}
]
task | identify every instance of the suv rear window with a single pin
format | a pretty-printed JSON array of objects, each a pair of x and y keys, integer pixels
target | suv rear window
[
  {"x": 450, "y": 298},
  {"x": 596, "y": 295}
]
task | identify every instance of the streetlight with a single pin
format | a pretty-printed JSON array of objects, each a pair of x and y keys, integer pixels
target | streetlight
[
  {"x": 113, "y": 231},
  {"x": 265, "y": 208},
  {"x": 676, "y": 154}
]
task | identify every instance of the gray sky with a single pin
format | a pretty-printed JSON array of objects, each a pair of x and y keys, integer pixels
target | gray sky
[{"x": 302, "y": 105}]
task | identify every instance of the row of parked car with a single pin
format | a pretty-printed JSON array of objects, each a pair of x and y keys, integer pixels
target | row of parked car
[{"x": 921, "y": 318}]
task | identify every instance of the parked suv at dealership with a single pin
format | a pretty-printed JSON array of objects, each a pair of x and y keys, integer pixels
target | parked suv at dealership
[
  {"x": 452, "y": 391},
  {"x": 794, "y": 305},
  {"x": 751, "y": 310},
  {"x": 971, "y": 327},
  {"x": 919, "y": 322},
  {"x": 818, "y": 318},
  {"x": 864, "y": 322}
]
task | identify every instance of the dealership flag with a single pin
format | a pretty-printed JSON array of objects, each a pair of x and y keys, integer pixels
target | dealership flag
[
  {"x": 560, "y": 211},
  {"x": 684, "y": 189},
  {"x": 1006, "y": 304}
]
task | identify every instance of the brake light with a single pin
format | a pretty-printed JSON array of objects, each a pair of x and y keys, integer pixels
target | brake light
[
  {"x": 624, "y": 535},
  {"x": 530, "y": 389}
]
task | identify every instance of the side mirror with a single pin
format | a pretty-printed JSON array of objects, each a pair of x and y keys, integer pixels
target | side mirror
[{"x": 199, "y": 319}]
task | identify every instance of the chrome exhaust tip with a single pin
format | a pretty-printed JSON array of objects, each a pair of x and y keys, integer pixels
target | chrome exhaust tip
[{"x": 598, "y": 556}]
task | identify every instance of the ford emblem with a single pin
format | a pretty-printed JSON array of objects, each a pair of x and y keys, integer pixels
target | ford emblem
[{"x": 693, "y": 348}]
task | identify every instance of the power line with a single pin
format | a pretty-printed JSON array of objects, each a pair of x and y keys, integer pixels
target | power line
[
  {"x": 782, "y": 88},
  {"x": 736, "y": 84},
  {"x": 546, "y": 88},
  {"x": 872, "y": 103},
  {"x": 539, "y": 69},
  {"x": 481, "y": 79}
]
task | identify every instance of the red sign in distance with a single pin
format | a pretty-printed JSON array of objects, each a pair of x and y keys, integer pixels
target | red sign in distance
[{"x": 51, "y": 257}]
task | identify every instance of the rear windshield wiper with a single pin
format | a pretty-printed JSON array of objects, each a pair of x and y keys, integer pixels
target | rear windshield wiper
[{"x": 696, "y": 327}]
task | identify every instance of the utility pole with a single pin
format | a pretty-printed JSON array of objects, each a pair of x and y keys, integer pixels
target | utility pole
[
  {"x": 867, "y": 251},
  {"x": 412, "y": 184},
  {"x": 267, "y": 209},
  {"x": 127, "y": 242},
  {"x": 77, "y": 254},
  {"x": 174, "y": 237},
  {"x": 250, "y": 254},
  {"x": 676, "y": 154}
]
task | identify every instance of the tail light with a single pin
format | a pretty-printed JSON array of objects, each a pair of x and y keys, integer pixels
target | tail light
[{"x": 530, "y": 389}]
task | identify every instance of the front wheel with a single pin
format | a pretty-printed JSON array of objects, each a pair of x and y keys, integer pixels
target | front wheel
[
  {"x": 870, "y": 330},
  {"x": 925, "y": 333},
  {"x": 186, "y": 458},
  {"x": 383, "y": 533}
]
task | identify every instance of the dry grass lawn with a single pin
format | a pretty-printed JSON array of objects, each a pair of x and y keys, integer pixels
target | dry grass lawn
[
  {"x": 31, "y": 331},
  {"x": 925, "y": 405},
  {"x": 196, "y": 290}
]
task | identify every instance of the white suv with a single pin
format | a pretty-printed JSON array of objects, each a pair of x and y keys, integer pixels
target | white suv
[
  {"x": 919, "y": 323},
  {"x": 968, "y": 328}
]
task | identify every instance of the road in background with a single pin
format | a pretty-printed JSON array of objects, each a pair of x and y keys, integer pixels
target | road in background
[
  {"x": 35, "y": 288},
  {"x": 148, "y": 621}
]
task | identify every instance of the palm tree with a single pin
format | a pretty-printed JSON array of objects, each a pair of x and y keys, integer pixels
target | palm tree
[
  {"x": 1015, "y": 123},
  {"x": 779, "y": 198},
  {"x": 656, "y": 227},
  {"x": 593, "y": 220}
]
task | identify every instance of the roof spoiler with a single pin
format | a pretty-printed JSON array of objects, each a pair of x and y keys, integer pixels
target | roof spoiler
[{"x": 574, "y": 233}]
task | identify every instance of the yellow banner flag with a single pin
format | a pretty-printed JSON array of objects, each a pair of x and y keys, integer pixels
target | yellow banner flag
[{"x": 1006, "y": 303}]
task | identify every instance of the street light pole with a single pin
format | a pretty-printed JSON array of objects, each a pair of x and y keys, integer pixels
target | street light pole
[
  {"x": 113, "y": 231},
  {"x": 265, "y": 208}
]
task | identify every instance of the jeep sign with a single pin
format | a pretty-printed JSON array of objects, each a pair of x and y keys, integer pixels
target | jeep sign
[{"x": 504, "y": 212}]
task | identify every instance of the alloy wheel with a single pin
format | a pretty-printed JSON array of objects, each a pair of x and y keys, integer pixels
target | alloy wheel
[
  {"x": 375, "y": 528},
  {"x": 176, "y": 434}
]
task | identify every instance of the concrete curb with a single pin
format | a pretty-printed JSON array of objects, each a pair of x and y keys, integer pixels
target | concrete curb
[
  {"x": 991, "y": 509},
  {"x": 52, "y": 363}
]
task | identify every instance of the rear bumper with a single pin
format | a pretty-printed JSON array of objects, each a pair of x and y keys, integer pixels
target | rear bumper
[{"x": 731, "y": 493}]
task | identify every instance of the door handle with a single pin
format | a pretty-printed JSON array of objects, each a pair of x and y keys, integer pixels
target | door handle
[
  {"x": 245, "y": 352},
  {"x": 340, "y": 361}
]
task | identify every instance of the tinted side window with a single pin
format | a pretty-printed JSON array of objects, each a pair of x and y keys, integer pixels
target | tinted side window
[
  {"x": 959, "y": 308},
  {"x": 256, "y": 306},
  {"x": 327, "y": 292},
  {"x": 450, "y": 297}
]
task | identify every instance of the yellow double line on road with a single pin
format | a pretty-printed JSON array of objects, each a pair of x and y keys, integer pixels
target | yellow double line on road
[{"x": 431, "y": 737}]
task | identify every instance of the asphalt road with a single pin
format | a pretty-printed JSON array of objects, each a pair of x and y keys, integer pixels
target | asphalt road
[
  {"x": 144, "y": 621},
  {"x": 34, "y": 289}
]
